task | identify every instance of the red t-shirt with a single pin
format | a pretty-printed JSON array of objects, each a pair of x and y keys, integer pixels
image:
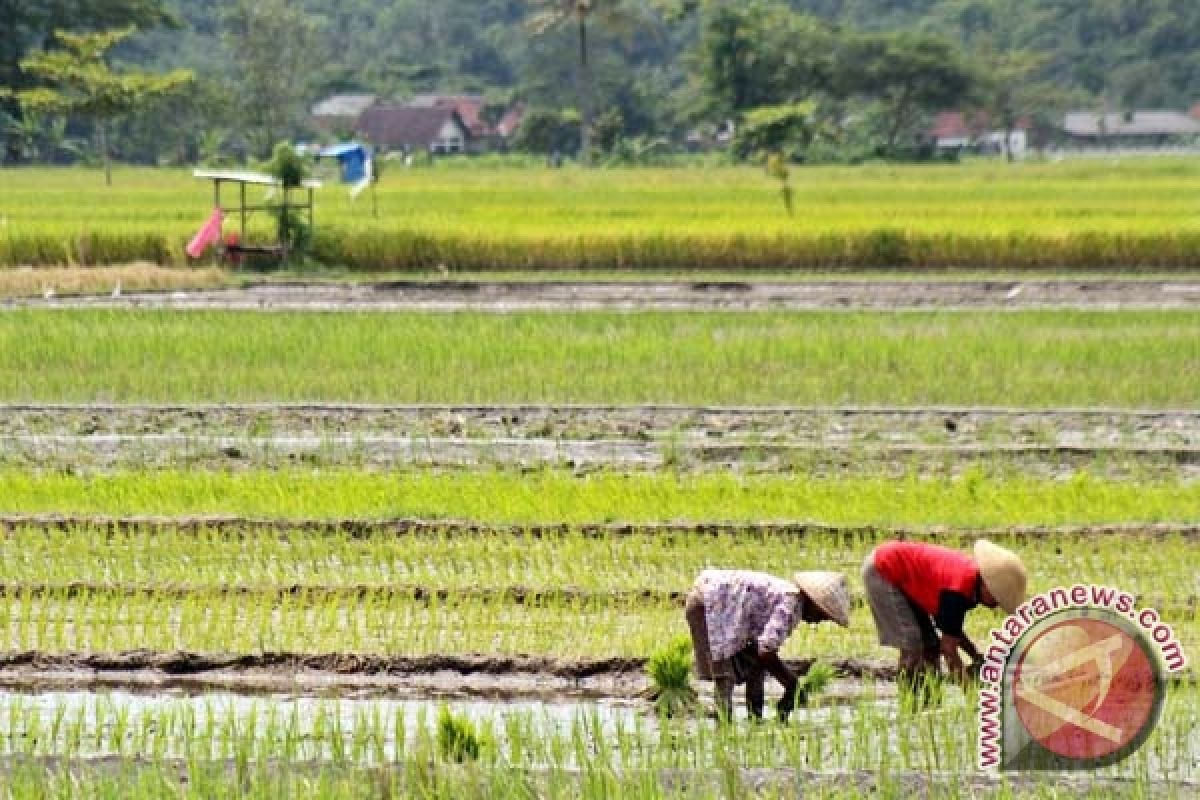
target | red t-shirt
[{"x": 940, "y": 581}]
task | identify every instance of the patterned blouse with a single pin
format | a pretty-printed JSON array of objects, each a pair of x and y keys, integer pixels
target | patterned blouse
[{"x": 741, "y": 606}]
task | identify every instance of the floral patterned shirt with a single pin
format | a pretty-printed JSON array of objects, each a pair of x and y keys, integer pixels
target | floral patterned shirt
[{"x": 741, "y": 606}]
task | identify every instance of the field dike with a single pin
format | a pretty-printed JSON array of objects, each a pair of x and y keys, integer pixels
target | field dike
[
  {"x": 1049, "y": 443},
  {"x": 366, "y": 528},
  {"x": 348, "y": 674},
  {"x": 732, "y": 294}
]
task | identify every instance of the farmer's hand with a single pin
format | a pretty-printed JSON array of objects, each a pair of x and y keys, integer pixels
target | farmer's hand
[
  {"x": 793, "y": 697},
  {"x": 973, "y": 669}
]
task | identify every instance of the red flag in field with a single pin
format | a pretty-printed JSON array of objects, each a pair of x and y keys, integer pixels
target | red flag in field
[{"x": 209, "y": 233}]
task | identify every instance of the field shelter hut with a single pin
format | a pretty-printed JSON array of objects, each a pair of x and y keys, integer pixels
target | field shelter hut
[{"x": 235, "y": 249}]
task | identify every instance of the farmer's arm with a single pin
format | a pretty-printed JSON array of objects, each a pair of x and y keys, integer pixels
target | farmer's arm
[
  {"x": 783, "y": 619},
  {"x": 952, "y": 613},
  {"x": 779, "y": 625},
  {"x": 779, "y": 671}
]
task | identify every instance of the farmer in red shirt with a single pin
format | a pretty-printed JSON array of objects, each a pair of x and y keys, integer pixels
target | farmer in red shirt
[{"x": 913, "y": 587}]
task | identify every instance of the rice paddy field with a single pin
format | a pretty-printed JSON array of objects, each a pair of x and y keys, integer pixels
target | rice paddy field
[
  {"x": 409, "y": 552},
  {"x": 1040, "y": 216}
]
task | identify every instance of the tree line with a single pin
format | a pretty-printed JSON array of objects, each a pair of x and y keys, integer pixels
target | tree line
[{"x": 817, "y": 79}]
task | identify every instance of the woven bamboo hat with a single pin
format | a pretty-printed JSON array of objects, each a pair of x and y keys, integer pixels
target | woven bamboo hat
[
  {"x": 828, "y": 590},
  {"x": 1002, "y": 572}
]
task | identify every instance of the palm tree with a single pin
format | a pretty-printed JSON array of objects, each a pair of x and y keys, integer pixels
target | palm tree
[{"x": 619, "y": 15}]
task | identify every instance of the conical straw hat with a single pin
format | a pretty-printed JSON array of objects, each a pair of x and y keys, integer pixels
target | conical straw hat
[
  {"x": 829, "y": 591},
  {"x": 1002, "y": 572}
]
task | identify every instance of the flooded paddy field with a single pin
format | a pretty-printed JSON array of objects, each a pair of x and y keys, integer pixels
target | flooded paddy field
[
  {"x": 463, "y": 599},
  {"x": 831, "y": 747}
]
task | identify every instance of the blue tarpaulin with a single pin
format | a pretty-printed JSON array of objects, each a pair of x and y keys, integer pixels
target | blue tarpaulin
[{"x": 352, "y": 157}]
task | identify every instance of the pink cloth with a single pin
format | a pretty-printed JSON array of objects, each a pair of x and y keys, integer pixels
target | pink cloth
[
  {"x": 208, "y": 234},
  {"x": 740, "y": 606}
]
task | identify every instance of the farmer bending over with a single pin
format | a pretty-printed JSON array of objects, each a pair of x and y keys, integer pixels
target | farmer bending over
[
  {"x": 913, "y": 587},
  {"x": 739, "y": 619}
]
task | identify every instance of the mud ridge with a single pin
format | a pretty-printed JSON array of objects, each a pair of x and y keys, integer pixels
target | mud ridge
[
  {"x": 511, "y": 595},
  {"x": 514, "y": 595},
  {"x": 370, "y": 451},
  {"x": 679, "y": 295},
  {"x": 187, "y": 663},
  {"x": 364, "y": 528}
]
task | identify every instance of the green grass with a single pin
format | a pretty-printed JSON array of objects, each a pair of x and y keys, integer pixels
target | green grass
[
  {"x": 553, "y": 496},
  {"x": 1045, "y": 216},
  {"x": 1035, "y": 359}
]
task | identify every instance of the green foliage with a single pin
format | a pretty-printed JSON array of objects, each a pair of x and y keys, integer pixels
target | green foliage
[
  {"x": 786, "y": 129},
  {"x": 80, "y": 83},
  {"x": 292, "y": 229},
  {"x": 760, "y": 53},
  {"x": 818, "y": 678},
  {"x": 667, "y": 65},
  {"x": 29, "y": 27},
  {"x": 547, "y": 132},
  {"x": 607, "y": 130},
  {"x": 910, "y": 76},
  {"x": 288, "y": 166},
  {"x": 620, "y": 17},
  {"x": 670, "y": 670},
  {"x": 777, "y": 169},
  {"x": 273, "y": 46},
  {"x": 457, "y": 739}
]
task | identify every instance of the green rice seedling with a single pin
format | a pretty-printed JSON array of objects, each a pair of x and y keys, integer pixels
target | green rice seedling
[
  {"x": 815, "y": 681},
  {"x": 923, "y": 692},
  {"x": 511, "y": 496},
  {"x": 457, "y": 739},
  {"x": 670, "y": 670},
  {"x": 1035, "y": 358}
]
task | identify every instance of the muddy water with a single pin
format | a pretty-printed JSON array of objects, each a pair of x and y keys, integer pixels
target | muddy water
[
  {"x": 831, "y": 739},
  {"x": 110, "y": 722}
]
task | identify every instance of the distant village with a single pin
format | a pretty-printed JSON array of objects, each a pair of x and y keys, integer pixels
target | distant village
[
  {"x": 440, "y": 124},
  {"x": 456, "y": 124}
]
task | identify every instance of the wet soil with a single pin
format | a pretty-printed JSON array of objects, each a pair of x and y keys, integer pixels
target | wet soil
[
  {"x": 343, "y": 674},
  {"x": 364, "y": 528},
  {"x": 1052, "y": 443},
  {"x": 720, "y": 295},
  {"x": 1182, "y": 605}
]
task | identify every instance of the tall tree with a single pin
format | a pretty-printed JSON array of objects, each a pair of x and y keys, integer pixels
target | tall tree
[
  {"x": 760, "y": 53},
  {"x": 27, "y": 26},
  {"x": 909, "y": 75},
  {"x": 80, "y": 83},
  {"x": 621, "y": 16},
  {"x": 272, "y": 45}
]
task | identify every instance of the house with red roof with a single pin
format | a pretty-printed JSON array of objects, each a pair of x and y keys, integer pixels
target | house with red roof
[
  {"x": 470, "y": 109},
  {"x": 407, "y": 128},
  {"x": 956, "y": 131}
]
